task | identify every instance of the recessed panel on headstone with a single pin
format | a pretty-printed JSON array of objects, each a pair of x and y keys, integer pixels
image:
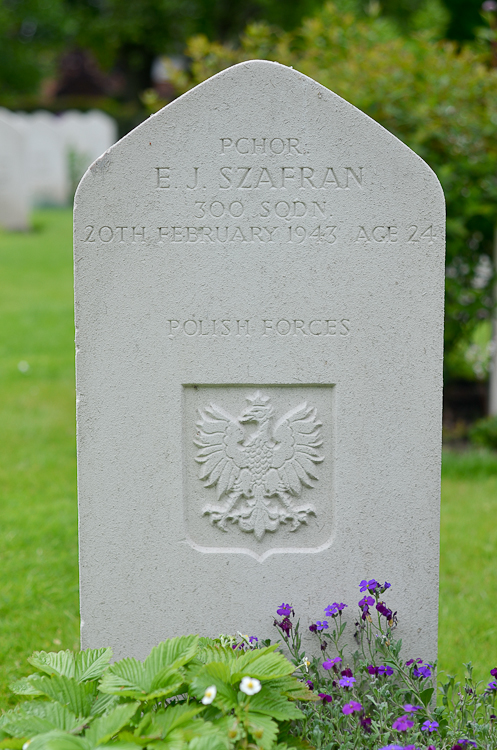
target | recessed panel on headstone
[{"x": 259, "y": 274}]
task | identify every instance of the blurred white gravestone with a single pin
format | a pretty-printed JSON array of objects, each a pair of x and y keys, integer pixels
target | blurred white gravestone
[
  {"x": 48, "y": 166},
  {"x": 259, "y": 274},
  {"x": 14, "y": 196},
  {"x": 86, "y": 136}
]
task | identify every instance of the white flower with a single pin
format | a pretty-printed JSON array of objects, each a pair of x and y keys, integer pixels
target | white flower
[
  {"x": 26, "y": 745},
  {"x": 250, "y": 686},
  {"x": 209, "y": 695}
]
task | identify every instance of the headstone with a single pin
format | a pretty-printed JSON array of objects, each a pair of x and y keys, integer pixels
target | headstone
[
  {"x": 86, "y": 136},
  {"x": 259, "y": 274},
  {"x": 14, "y": 196}
]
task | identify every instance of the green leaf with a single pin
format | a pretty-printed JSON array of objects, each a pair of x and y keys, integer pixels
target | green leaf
[
  {"x": 266, "y": 667},
  {"x": 274, "y": 705},
  {"x": 107, "y": 726},
  {"x": 24, "y": 686},
  {"x": 103, "y": 704},
  {"x": 172, "y": 653},
  {"x": 59, "y": 662},
  {"x": 36, "y": 717},
  {"x": 293, "y": 689},
  {"x": 425, "y": 695},
  {"x": 263, "y": 729},
  {"x": 58, "y": 741},
  {"x": 174, "y": 717},
  {"x": 218, "y": 674},
  {"x": 132, "y": 679},
  {"x": 91, "y": 663},
  {"x": 78, "y": 697}
]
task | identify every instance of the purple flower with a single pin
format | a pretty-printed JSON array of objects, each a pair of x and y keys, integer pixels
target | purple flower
[
  {"x": 370, "y": 585},
  {"x": 333, "y": 609},
  {"x": 285, "y": 625},
  {"x": 325, "y": 698},
  {"x": 429, "y": 726},
  {"x": 285, "y": 610},
  {"x": 349, "y": 708},
  {"x": 347, "y": 672},
  {"x": 310, "y": 684},
  {"x": 363, "y": 586},
  {"x": 313, "y": 628},
  {"x": 346, "y": 682},
  {"x": 253, "y": 639},
  {"x": 493, "y": 672},
  {"x": 409, "y": 708},
  {"x": 366, "y": 600},
  {"x": 392, "y": 747},
  {"x": 321, "y": 625},
  {"x": 422, "y": 671},
  {"x": 467, "y": 742},
  {"x": 402, "y": 724},
  {"x": 385, "y": 671},
  {"x": 329, "y": 663},
  {"x": 385, "y": 611},
  {"x": 373, "y": 670},
  {"x": 365, "y": 722},
  {"x": 386, "y": 585},
  {"x": 413, "y": 661},
  {"x": 492, "y": 686}
]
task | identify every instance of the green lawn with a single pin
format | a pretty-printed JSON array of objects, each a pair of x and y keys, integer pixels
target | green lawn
[{"x": 38, "y": 519}]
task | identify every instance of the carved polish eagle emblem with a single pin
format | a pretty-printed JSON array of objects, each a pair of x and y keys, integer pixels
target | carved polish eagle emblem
[{"x": 259, "y": 476}]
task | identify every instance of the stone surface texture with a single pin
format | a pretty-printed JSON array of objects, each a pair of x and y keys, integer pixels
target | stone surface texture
[{"x": 259, "y": 273}]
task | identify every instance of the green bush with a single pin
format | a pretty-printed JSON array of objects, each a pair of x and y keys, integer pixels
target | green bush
[
  {"x": 189, "y": 693},
  {"x": 484, "y": 432}
]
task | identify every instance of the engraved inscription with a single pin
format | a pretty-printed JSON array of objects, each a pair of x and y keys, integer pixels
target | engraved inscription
[
  {"x": 259, "y": 476},
  {"x": 279, "y": 327}
]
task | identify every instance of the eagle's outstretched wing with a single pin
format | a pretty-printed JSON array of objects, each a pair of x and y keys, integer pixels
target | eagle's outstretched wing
[
  {"x": 298, "y": 437},
  {"x": 221, "y": 456}
]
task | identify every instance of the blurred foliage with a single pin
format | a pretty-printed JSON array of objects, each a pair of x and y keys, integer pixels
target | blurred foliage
[
  {"x": 122, "y": 36},
  {"x": 439, "y": 99},
  {"x": 484, "y": 433}
]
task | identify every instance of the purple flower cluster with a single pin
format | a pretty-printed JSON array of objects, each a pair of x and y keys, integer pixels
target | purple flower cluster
[
  {"x": 380, "y": 671},
  {"x": 333, "y": 610},
  {"x": 373, "y": 586}
]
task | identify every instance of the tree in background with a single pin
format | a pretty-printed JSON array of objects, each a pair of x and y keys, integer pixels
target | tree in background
[{"x": 441, "y": 100}]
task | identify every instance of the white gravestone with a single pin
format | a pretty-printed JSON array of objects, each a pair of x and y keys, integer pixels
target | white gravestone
[
  {"x": 86, "y": 135},
  {"x": 14, "y": 195},
  {"x": 259, "y": 274}
]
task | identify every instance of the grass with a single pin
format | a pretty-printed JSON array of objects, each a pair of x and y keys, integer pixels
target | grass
[{"x": 38, "y": 518}]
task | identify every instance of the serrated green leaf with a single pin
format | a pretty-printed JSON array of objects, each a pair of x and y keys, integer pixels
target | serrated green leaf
[
  {"x": 294, "y": 689},
  {"x": 274, "y": 705},
  {"x": 24, "y": 686},
  {"x": 210, "y": 652},
  {"x": 91, "y": 663},
  {"x": 218, "y": 674},
  {"x": 173, "y": 653},
  {"x": 263, "y": 729},
  {"x": 103, "y": 703},
  {"x": 58, "y": 741},
  {"x": 53, "y": 662},
  {"x": 105, "y": 727},
  {"x": 124, "y": 674},
  {"x": 37, "y": 717},
  {"x": 164, "y": 721},
  {"x": 79, "y": 697},
  {"x": 266, "y": 667},
  {"x": 249, "y": 657}
]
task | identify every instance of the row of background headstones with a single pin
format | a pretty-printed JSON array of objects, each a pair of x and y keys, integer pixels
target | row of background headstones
[{"x": 43, "y": 157}]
